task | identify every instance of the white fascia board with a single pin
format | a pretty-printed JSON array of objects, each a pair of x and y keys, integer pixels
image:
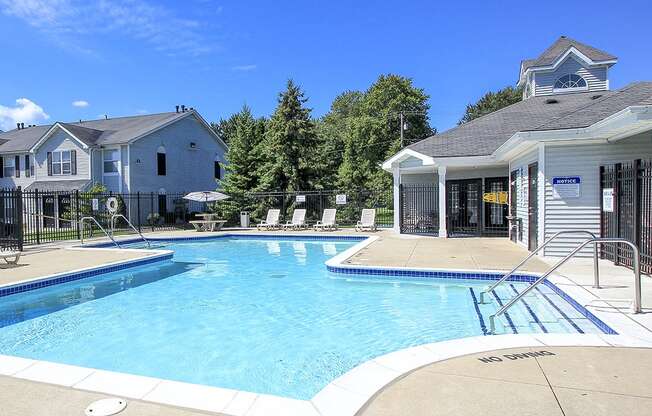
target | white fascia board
[
  {"x": 405, "y": 154},
  {"x": 488, "y": 160},
  {"x": 625, "y": 123},
  {"x": 48, "y": 133},
  {"x": 562, "y": 58}
]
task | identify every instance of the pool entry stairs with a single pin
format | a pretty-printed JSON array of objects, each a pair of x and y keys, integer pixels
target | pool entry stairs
[{"x": 540, "y": 311}]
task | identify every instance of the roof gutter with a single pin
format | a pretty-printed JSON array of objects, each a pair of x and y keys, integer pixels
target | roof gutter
[{"x": 625, "y": 123}]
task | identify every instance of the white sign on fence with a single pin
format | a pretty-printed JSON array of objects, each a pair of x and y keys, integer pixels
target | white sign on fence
[
  {"x": 301, "y": 198},
  {"x": 96, "y": 204},
  {"x": 608, "y": 199},
  {"x": 340, "y": 199}
]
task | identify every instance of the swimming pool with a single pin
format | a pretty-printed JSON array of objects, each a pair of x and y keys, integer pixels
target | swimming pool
[{"x": 257, "y": 314}]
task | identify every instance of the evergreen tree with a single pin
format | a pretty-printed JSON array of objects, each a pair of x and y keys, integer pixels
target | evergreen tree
[
  {"x": 289, "y": 146},
  {"x": 491, "y": 102},
  {"x": 245, "y": 135}
]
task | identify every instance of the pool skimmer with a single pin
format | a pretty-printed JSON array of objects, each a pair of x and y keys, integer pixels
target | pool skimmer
[{"x": 106, "y": 407}]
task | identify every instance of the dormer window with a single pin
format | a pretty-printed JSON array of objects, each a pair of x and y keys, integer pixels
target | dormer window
[{"x": 570, "y": 82}]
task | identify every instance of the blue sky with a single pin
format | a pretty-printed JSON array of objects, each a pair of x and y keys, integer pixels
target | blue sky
[{"x": 123, "y": 57}]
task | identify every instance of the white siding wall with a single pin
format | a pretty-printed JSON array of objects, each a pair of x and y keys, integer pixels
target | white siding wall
[
  {"x": 596, "y": 78},
  {"x": 468, "y": 173},
  {"x": 419, "y": 178},
  {"x": 61, "y": 141},
  {"x": 14, "y": 182},
  {"x": 583, "y": 161},
  {"x": 473, "y": 173},
  {"x": 521, "y": 199}
]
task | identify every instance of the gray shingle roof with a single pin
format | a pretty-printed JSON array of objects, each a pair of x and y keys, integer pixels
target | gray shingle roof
[
  {"x": 21, "y": 140},
  {"x": 485, "y": 134},
  {"x": 561, "y": 45},
  {"x": 86, "y": 135},
  {"x": 56, "y": 186},
  {"x": 99, "y": 132}
]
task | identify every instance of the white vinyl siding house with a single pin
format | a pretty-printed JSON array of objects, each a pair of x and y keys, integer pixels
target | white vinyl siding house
[
  {"x": 60, "y": 143},
  {"x": 520, "y": 165},
  {"x": 566, "y": 128},
  {"x": 117, "y": 153},
  {"x": 583, "y": 160},
  {"x": 595, "y": 77}
]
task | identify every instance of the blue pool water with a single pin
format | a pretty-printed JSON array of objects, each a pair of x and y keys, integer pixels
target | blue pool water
[{"x": 258, "y": 315}]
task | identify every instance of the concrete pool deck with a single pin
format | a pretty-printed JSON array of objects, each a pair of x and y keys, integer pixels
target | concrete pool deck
[
  {"x": 367, "y": 385},
  {"x": 564, "y": 381}
]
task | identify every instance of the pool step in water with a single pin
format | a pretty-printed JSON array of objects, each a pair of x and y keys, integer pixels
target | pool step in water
[{"x": 540, "y": 311}]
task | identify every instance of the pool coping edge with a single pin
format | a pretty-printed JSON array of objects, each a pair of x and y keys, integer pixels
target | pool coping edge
[{"x": 343, "y": 396}]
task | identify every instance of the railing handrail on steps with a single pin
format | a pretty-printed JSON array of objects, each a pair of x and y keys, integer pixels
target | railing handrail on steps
[
  {"x": 596, "y": 271},
  {"x": 636, "y": 266},
  {"x": 113, "y": 218},
  {"x": 101, "y": 228}
]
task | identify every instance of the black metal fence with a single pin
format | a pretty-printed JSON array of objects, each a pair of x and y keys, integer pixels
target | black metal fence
[
  {"x": 54, "y": 216},
  {"x": 626, "y": 210},
  {"x": 11, "y": 237},
  {"x": 349, "y": 205},
  {"x": 37, "y": 217},
  {"x": 419, "y": 208}
]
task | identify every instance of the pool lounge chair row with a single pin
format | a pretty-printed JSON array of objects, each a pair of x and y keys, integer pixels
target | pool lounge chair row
[{"x": 327, "y": 222}]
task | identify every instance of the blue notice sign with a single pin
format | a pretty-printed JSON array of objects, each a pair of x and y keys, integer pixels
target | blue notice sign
[{"x": 566, "y": 187}]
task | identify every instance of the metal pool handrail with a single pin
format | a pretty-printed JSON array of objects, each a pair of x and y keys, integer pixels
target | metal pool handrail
[
  {"x": 114, "y": 216},
  {"x": 596, "y": 271},
  {"x": 101, "y": 228},
  {"x": 637, "y": 277}
]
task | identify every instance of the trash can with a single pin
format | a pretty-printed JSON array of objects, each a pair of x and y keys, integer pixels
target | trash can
[{"x": 244, "y": 219}]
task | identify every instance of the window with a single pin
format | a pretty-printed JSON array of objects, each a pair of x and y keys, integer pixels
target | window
[
  {"x": 217, "y": 168},
  {"x": 17, "y": 166},
  {"x": 160, "y": 161},
  {"x": 111, "y": 159},
  {"x": 28, "y": 167},
  {"x": 61, "y": 163},
  {"x": 570, "y": 81},
  {"x": 9, "y": 167}
]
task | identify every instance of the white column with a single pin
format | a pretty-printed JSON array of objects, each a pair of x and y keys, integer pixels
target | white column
[
  {"x": 397, "y": 202},
  {"x": 442, "y": 201}
]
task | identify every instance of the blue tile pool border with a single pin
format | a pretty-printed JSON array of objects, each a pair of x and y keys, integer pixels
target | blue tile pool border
[
  {"x": 465, "y": 275},
  {"x": 72, "y": 276},
  {"x": 339, "y": 269},
  {"x": 334, "y": 238}
]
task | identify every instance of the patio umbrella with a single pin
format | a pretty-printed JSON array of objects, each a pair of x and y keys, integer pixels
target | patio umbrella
[{"x": 206, "y": 196}]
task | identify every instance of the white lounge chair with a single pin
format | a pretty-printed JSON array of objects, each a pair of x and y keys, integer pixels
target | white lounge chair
[
  {"x": 327, "y": 220},
  {"x": 367, "y": 220},
  {"x": 10, "y": 254},
  {"x": 298, "y": 220},
  {"x": 271, "y": 222}
]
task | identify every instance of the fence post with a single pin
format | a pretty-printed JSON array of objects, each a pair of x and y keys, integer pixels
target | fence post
[
  {"x": 138, "y": 208},
  {"x": 637, "y": 204},
  {"x": 38, "y": 217},
  {"x": 617, "y": 174},
  {"x": 151, "y": 204},
  {"x": 19, "y": 218},
  {"x": 77, "y": 214}
]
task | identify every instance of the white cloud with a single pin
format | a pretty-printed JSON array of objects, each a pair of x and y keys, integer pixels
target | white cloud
[
  {"x": 68, "y": 22},
  {"x": 26, "y": 111},
  {"x": 244, "y": 68},
  {"x": 80, "y": 103}
]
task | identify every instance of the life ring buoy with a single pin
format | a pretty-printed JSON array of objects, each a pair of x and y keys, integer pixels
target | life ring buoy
[{"x": 112, "y": 204}]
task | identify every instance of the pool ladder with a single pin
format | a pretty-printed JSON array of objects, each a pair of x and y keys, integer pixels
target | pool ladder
[
  {"x": 99, "y": 226},
  {"x": 116, "y": 216},
  {"x": 636, "y": 306}
]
